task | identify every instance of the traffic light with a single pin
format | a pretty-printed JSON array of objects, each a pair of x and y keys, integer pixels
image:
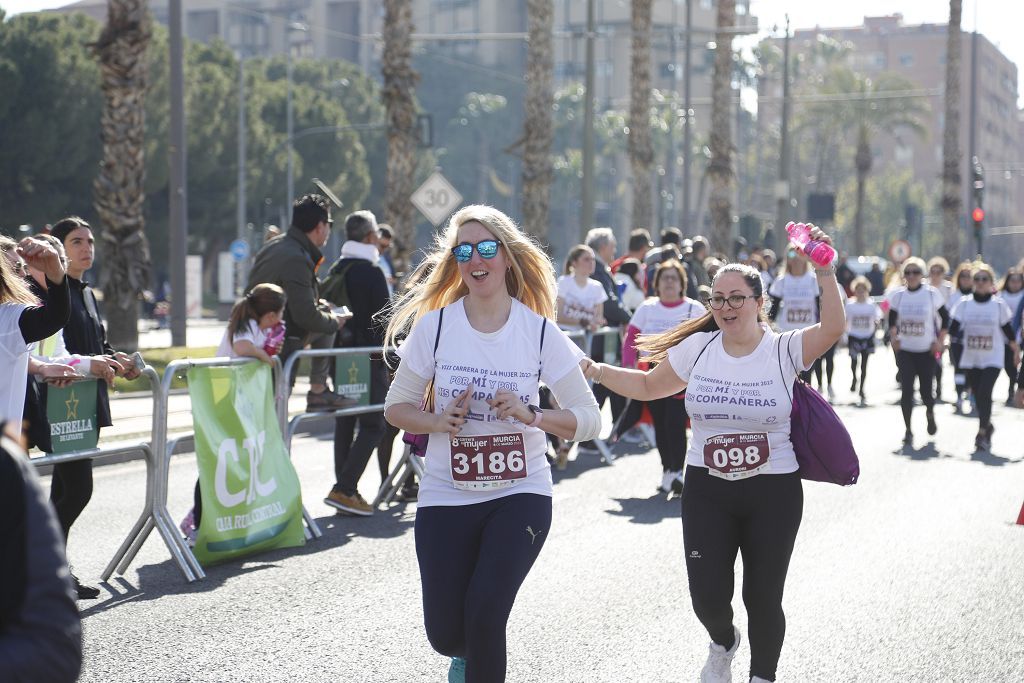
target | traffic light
[{"x": 978, "y": 216}]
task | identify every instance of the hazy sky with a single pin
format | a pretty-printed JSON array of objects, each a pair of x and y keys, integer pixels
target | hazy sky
[{"x": 1001, "y": 21}]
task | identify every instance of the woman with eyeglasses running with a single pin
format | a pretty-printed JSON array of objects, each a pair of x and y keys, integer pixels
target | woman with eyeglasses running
[
  {"x": 794, "y": 303},
  {"x": 917, "y": 337},
  {"x": 1011, "y": 290},
  {"x": 984, "y": 321},
  {"x": 742, "y": 492},
  {"x": 963, "y": 288},
  {"x": 482, "y": 338}
]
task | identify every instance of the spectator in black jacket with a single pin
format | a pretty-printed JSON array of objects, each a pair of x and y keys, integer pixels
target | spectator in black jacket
[
  {"x": 368, "y": 295},
  {"x": 40, "y": 630},
  {"x": 84, "y": 334}
]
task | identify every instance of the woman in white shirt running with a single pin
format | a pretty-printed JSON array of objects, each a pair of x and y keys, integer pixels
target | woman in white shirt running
[
  {"x": 863, "y": 317},
  {"x": 1011, "y": 290},
  {"x": 742, "y": 491},
  {"x": 482, "y": 338},
  {"x": 580, "y": 301},
  {"x": 963, "y": 288},
  {"x": 984, "y": 321}
]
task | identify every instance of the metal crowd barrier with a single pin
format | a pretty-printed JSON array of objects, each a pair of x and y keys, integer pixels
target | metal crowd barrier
[
  {"x": 583, "y": 339},
  {"x": 152, "y": 512}
]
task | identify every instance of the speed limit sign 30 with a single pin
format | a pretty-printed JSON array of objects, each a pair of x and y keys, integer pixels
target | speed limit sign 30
[{"x": 436, "y": 198}]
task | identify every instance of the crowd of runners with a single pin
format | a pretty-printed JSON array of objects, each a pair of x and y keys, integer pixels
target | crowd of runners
[{"x": 497, "y": 368}]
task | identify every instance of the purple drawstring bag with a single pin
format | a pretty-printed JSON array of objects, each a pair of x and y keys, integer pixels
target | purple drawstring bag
[{"x": 823, "y": 446}]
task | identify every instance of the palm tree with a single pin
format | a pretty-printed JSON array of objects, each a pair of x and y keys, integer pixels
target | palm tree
[
  {"x": 641, "y": 151},
  {"x": 866, "y": 107},
  {"x": 118, "y": 190},
  {"x": 538, "y": 130},
  {"x": 399, "y": 85},
  {"x": 951, "y": 200},
  {"x": 720, "y": 166}
]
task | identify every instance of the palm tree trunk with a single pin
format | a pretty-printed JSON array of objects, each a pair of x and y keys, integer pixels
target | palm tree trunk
[
  {"x": 118, "y": 190},
  {"x": 398, "y": 95},
  {"x": 863, "y": 163},
  {"x": 537, "y": 119},
  {"x": 951, "y": 198},
  {"x": 720, "y": 166},
  {"x": 641, "y": 151}
]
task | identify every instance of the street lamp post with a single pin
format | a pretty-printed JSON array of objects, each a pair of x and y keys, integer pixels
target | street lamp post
[{"x": 289, "y": 114}]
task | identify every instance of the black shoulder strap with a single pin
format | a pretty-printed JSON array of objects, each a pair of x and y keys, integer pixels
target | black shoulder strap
[
  {"x": 540, "y": 360},
  {"x": 437, "y": 337},
  {"x": 713, "y": 337}
]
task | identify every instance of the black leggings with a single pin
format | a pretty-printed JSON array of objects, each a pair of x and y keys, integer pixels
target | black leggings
[
  {"x": 956, "y": 350},
  {"x": 913, "y": 365},
  {"x": 70, "y": 491},
  {"x": 669, "y": 415},
  {"x": 863, "y": 355},
  {"x": 473, "y": 559},
  {"x": 759, "y": 517},
  {"x": 982, "y": 381},
  {"x": 1011, "y": 369},
  {"x": 830, "y": 365}
]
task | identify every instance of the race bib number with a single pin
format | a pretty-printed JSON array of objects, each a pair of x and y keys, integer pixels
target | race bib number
[
  {"x": 491, "y": 461},
  {"x": 980, "y": 342},
  {"x": 862, "y": 322},
  {"x": 910, "y": 328},
  {"x": 798, "y": 315},
  {"x": 736, "y": 456}
]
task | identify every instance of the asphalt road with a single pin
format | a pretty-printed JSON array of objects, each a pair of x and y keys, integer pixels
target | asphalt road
[{"x": 914, "y": 574}]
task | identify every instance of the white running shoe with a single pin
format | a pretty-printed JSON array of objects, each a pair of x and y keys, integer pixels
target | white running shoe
[
  {"x": 718, "y": 668},
  {"x": 677, "y": 482},
  {"x": 633, "y": 436},
  {"x": 758, "y": 679},
  {"x": 666, "y": 482}
]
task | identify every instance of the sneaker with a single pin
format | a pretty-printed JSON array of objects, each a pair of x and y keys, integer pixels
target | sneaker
[
  {"x": 587, "y": 450},
  {"x": 188, "y": 524},
  {"x": 457, "y": 670},
  {"x": 84, "y": 592},
  {"x": 354, "y": 504},
  {"x": 908, "y": 437},
  {"x": 932, "y": 427},
  {"x": 327, "y": 400},
  {"x": 982, "y": 441},
  {"x": 831, "y": 393},
  {"x": 853, "y": 385},
  {"x": 677, "y": 482},
  {"x": 718, "y": 668},
  {"x": 666, "y": 482},
  {"x": 409, "y": 493},
  {"x": 633, "y": 436},
  {"x": 758, "y": 679}
]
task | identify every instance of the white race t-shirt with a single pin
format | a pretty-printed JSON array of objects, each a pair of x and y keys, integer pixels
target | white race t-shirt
[
  {"x": 744, "y": 396},
  {"x": 916, "y": 316},
  {"x": 14, "y": 358},
  {"x": 862, "y": 318},
  {"x": 580, "y": 301},
  {"x": 1012, "y": 299},
  {"x": 799, "y": 294},
  {"x": 981, "y": 325},
  {"x": 506, "y": 359},
  {"x": 252, "y": 333},
  {"x": 653, "y": 317},
  {"x": 944, "y": 290}
]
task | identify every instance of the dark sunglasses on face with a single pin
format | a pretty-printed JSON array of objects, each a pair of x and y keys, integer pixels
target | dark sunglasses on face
[
  {"x": 487, "y": 249},
  {"x": 982, "y": 278},
  {"x": 735, "y": 301},
  {"x": 912, "y": 271}
]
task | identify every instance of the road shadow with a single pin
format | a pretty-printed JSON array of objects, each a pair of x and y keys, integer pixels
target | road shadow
[
  {"x": 652, "y": 510},
  {"x": 992, "y": 460},
  {"x": 581, "y": 465},
  {"x": 921, "y": 453}
]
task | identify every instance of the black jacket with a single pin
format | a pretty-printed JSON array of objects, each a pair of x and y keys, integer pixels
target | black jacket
[
  {"x": 84, "y": 334},
  {"x": 614, "y": 312},
  {"x": 368, "y": 295}
]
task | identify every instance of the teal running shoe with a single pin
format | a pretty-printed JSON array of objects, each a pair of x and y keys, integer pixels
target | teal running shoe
[{"x": 457, "y": 671}]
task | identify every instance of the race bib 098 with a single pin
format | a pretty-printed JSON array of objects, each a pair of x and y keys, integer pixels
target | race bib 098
[{"x": 736, "y": 456}]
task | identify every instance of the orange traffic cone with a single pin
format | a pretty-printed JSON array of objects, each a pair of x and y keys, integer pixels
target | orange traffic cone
[{"x": 1020, "y": 517}]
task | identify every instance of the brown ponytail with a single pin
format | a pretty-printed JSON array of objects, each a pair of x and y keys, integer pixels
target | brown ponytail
[{"x": 262, "y": 299}]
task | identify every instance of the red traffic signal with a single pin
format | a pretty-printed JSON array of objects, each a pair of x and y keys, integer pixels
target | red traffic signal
[{"x": 978, "y": 214}]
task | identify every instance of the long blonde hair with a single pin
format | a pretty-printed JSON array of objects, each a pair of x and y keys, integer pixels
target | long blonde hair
[
  {"x": 13, "y": 287},
  {"x": 530, "y": 277}
]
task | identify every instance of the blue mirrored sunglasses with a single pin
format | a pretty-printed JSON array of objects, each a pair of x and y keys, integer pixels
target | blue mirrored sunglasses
[{"x": 487, "y": 249}]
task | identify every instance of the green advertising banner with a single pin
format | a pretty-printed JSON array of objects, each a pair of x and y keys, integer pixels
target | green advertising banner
[
  {"x": 250, "y": 493},
  {"x": 352, "y": 377},
  {"x": 71, "y": 412}
]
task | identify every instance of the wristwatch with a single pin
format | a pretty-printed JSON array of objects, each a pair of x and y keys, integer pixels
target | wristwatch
[{"x": 537, "y": 415}]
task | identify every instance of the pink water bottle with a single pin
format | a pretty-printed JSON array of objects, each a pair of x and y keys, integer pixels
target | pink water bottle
[
  {"x": 274, "y": 339},
  {"x": 819, "y": 252}
]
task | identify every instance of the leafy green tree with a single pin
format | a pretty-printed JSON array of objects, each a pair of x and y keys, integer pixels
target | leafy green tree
[{"x": 886, "y": 196}]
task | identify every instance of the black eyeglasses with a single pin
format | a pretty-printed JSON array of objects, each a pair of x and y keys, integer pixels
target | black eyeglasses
[
  {"x": 982, "y": 278},
  {"x": 735, "y": 301},
  {"x": 487, "y": 249},
  {"x": 912, "y": 271}
]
